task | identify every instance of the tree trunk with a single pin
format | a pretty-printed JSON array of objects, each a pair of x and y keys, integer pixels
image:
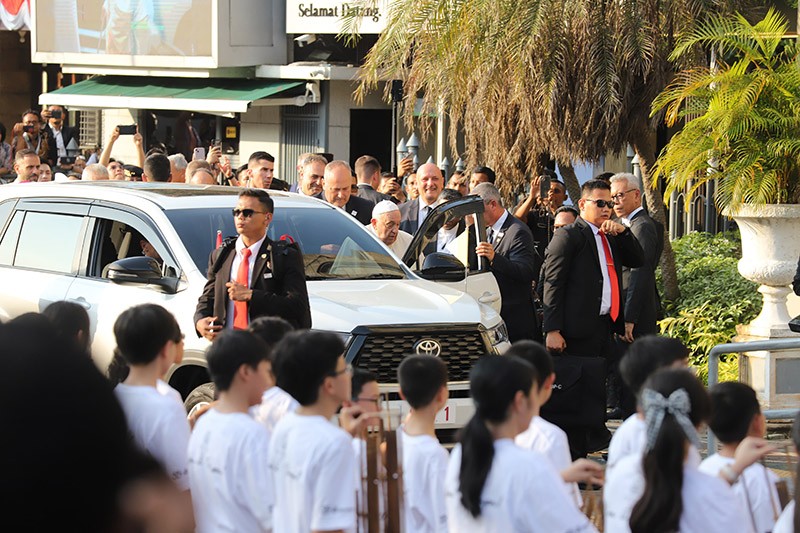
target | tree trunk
[
  {"x": 655, "y": 202},
  {"x": 570, "y": 181}
]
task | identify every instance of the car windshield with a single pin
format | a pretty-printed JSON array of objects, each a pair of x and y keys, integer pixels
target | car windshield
[{"x": 333, "y": 246}]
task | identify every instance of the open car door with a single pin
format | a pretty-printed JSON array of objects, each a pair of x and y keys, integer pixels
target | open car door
[{"x": 459, "y": 266}]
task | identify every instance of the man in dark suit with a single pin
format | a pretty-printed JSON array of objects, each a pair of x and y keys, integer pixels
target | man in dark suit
[
  {"x": 509, "y": 251},
  {"x": 336, "y": 190},
  {"x": 62, "y": 135},
  {"x": 252, "y": 276},
  {"x": 430, "y": 184},
  {"x": 368, "y": 173},
  {"x": 583, "y": 302}
]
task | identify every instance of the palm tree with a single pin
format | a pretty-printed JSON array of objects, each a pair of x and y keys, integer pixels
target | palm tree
[{"x": 571, "y": 78}]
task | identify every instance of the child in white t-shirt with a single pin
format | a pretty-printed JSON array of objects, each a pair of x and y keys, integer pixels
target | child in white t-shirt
[
  {"x": 645, "y": 356},
  {"x": 275, "y": 402},
  {"x": 545, "y": 437},
  {"x": 312, "y": 460},
  {"x": 493, "y": 485},
  {"x": 736, "y": 414},
  {"x": 231, "y": 482},
  {"x": 789, "y": 517},
  {"x": 150, "y": 341},
  {"x": 660, "y": 490},
  {"x": 423, "y": 384}
]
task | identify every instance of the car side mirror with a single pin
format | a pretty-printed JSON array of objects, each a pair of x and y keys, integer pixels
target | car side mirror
[
  {"x": 141, "y": 270},
  {"x": 440, "y": 266}
]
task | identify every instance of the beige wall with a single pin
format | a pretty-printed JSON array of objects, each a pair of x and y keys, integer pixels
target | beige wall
[
  {"x": 124, "y": 149},
  {"x": 260, "y": 130}
]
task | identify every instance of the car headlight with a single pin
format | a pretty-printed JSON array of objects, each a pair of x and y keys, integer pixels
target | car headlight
[{"x": 497, "y": 334}]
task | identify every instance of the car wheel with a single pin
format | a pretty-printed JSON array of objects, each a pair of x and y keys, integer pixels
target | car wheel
[{"x": 201, "y": 394}]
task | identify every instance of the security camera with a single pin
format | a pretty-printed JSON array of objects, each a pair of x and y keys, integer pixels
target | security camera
[{"x": 305, "y": 39}]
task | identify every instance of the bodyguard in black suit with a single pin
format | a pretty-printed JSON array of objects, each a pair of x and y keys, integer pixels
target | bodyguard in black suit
[
  {"x": 583, "y": 302},
  {"x": 368, "y": 173},
  {"x": 59, "y": 132},
  {"x": 641, "y": 295},
  {"x": 336, "y": 191},
  {"x": 276, "y": 283},
  {"x": 510, "y": 255}
]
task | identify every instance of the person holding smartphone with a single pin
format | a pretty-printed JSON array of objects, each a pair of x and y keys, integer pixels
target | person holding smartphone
[
  {"x": 29, "y": 135},
  {"x": 56, "y": 117}
]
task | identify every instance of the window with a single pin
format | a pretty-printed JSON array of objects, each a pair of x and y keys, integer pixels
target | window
[
  {"x": 9, "y": 243},
  {"x": 48, "y": 241}
]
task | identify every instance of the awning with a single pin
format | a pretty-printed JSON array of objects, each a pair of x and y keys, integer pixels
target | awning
[{"x": 204, "y": 95}]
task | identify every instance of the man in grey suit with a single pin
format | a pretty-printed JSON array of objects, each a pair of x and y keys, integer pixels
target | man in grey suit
[
  {"x": 639, "y": 284},
  {"x": 430, "y": 184},
  {"x": 509, "y": 251},
  {"x": 368, "y": 173}
]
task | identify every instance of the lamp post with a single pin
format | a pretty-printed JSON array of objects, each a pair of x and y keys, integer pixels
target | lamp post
[
  {"x": 461, "y": 166},
  {"x": 413, "y": 148},
  {"x": 402, "y": 151},
  {"x": 445, "y": 166}
]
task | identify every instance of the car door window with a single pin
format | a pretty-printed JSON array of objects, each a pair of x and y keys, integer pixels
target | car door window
[
  {"x": 48, "y": 241},
  {"x": 9, "y": 243}
]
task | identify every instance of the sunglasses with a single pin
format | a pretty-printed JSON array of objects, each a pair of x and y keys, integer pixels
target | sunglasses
[
  {"x": 246, "y": 213},
  {"x": 601, "y": 203}
]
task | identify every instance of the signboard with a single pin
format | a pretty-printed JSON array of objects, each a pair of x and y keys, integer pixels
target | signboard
[{"x": 325, "y": 16}]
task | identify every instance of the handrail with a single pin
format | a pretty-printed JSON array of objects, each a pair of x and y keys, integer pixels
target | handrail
[{"x": 773, "y": 345}]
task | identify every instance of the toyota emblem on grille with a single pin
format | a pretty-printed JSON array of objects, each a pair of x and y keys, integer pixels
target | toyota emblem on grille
[{"x": 428, "y": 347}]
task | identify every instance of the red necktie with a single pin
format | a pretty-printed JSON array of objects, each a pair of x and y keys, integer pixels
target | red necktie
[
  {"x": 243, "y": 277},
  {"x": 612, "y": 278}
]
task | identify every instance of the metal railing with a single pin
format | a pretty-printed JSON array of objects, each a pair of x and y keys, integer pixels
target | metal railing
[{"x": 773, "y": 345}]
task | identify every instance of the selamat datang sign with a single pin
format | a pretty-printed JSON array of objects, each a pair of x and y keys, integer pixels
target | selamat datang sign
[{"x": 326, "y": 16}]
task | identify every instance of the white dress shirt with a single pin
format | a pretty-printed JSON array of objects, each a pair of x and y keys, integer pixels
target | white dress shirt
[
  {"x": 62, "y": 148},
  {"x": 237, "y": 260},
  {"x": 497, "y": 228},
  {"x": 605, "y": 302},
  {"x": 626, "y": 220}
]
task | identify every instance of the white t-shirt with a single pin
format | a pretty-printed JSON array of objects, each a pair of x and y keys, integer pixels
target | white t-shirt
[
  {"x": 630, "y": 438},
  {"x": 230, "y": 479},
  {"x": 709, "y": 504},
  {"x": 424, "y": 470},
  {"x": 785, "y": 523},
  {"x": 159, "y": 427},
  {"x": 755, "y": 489},
  {"x": 164, "y": 389},
  {"x": 312, "y": 463},
  {"x": 551, "y": 441},
  {"x": 275, "y": 403},
  {"x": 522, "y": 493}
]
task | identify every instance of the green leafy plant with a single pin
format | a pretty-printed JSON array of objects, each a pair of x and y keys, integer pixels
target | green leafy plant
[
  {"x": 742, "y": 116},
  {"x": 714, "y": 298}
]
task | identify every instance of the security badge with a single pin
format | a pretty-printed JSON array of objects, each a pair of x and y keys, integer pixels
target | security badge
[{"x": 267, "y": 275}]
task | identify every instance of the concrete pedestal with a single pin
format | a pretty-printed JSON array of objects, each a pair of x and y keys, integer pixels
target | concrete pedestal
[{"x": 775, "y": 376}]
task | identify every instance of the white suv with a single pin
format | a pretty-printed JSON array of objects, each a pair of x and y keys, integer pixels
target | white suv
[{"x": 77, "y": 242}]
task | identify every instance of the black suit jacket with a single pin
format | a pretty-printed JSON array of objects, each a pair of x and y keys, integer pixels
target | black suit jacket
[
  {"x": 358, "y": 208},
  {"x": 366, "y": 192},
  {"x": 573, "y": 281},
  {"x": 278, "y": 284},
  {"x": 409, "y": 216},
  {"x": 641, "y": 294},
  {"x": 513, "y": 269}
]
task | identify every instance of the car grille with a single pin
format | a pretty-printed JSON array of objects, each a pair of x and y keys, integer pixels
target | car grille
[{"x": 382, "y": 351}]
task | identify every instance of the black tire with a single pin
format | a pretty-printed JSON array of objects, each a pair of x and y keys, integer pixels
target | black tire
[{"x": 202, "y": 393}]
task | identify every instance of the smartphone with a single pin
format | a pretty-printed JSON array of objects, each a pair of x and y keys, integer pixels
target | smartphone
[
  {"x": 55, "y": 113},
  {"x": 199, "y": 153},
  {"x": 68, "y": 160},
  {"x": 544, "y": 185},
  {"x": 217, "y": 143},
  {"x": 127, "y": 130}
]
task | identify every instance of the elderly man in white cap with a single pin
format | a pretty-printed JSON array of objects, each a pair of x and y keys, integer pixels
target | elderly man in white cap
[{"x": 385, "y": 224}]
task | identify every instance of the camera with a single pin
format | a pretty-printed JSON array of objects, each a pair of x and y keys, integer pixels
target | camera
[
  {"x": 28, "y": 128},
  {"x": 55, "y": 113}
]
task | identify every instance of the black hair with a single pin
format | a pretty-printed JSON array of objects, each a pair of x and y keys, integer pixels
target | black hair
[
  {"x": 230, "y": 350},
  {"x": 304, "y": 359},
  {"x": 70, "y": 319},
  {"x": 661, "y": 505},
  {"x": 796, "y": 439},
  {"x": 118, "y": 368},
  {"x": 449, "y": 194},
  {"x": 420, "y": 378},
  {"x": 360, "y": 378},
  {"x": 568, "y": 209},
  {"x": 3, "y": 132},
  {"x": 157, "y": 167},
  {"x": 604, "y": 176},
  {"x": 487, "y": 171},
  {"x": 261, "y": 195},
  {"x": 535, "y": 354},
  {"x": 143, "y": 330},
  {"x": 594, "y": 185},
  {"x": 94, "y": 446},
  {"x": 258, "y": 156},
  {"x": 493, "y": 383},
  {"x": 733, "y": 407},
  {"x": 646, "y": 355},
  {"x": 31, "y": 112},
  {"x": 270, "y": 329}
]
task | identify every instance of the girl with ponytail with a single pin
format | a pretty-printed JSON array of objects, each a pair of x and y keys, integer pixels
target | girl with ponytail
[
  {"x": 492, "y": 485},
  {"x": 789, "y": 520},
  {"x": 662, "y": 492}
]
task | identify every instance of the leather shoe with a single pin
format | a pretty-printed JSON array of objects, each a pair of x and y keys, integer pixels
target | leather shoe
[{"x": 617, "y": 413}]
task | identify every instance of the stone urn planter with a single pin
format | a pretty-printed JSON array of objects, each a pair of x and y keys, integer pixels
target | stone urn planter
[{"x": 770, "y": 251}]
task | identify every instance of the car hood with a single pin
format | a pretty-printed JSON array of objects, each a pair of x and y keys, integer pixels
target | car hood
[{"x": 341, "y": 305}]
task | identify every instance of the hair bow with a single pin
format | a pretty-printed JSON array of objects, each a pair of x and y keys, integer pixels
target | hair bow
[{"x": 678, "y": 405}]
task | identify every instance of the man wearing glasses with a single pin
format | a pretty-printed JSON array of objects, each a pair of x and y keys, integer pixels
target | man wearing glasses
[
  {"x": 253, "y": 276},
  {"x": 583, "y": 302}
]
